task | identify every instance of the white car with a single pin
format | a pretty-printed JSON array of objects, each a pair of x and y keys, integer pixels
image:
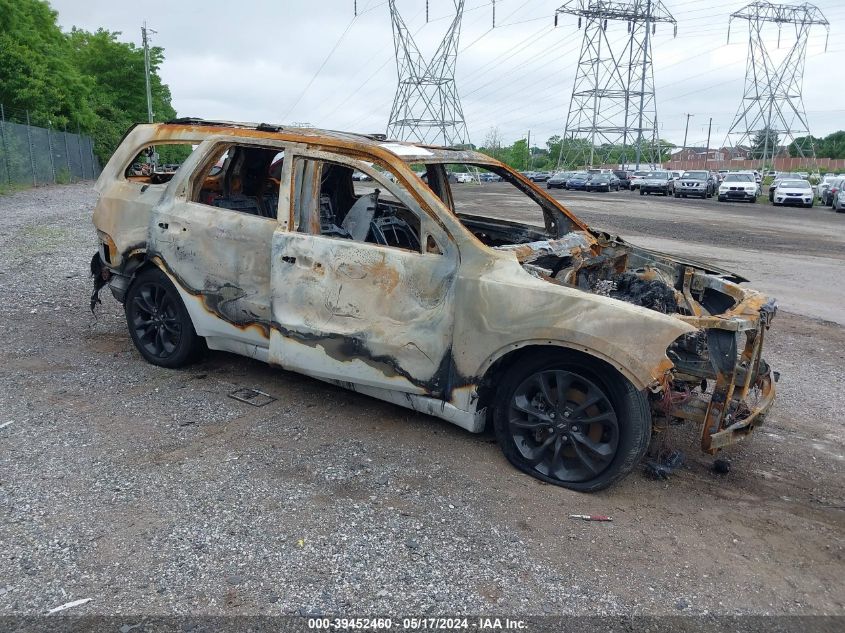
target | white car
[
  {"x": 464, "y": 177},
  {"x": 794, "y": 192},
  {"x": 739, "y": 186}
]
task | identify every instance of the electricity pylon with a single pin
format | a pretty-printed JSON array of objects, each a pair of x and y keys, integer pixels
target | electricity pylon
[
  {"x": 426, "y": 108},
  {"x": 772, "y": 111},
  {"x": 613, "y": 112}
]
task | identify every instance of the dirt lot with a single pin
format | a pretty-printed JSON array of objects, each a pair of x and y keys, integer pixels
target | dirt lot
[{"x": 150, "y": 491}]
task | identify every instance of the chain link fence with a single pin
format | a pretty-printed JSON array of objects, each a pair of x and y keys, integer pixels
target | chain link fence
[{"x": 34, "y": 155}]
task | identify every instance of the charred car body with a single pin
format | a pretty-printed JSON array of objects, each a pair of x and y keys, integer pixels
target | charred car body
[{"x": 575, "y": 345}]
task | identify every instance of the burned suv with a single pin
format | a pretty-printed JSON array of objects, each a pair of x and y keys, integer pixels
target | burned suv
[{"x": 573, "y": 344}]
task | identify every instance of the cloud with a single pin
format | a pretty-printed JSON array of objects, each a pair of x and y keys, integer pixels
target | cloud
[{"x": 252, "y": 61}]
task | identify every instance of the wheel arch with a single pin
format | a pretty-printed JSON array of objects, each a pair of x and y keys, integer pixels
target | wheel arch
[{"x": 499, "y": 362}]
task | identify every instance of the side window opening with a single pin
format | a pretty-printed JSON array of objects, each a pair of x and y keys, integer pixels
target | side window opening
[
  {"x": 157, "y": 164},
  {"x": 349, "y": 204},
  {"x": 241, "y": 178}
]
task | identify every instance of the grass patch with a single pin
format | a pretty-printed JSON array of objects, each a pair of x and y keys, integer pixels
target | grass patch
[{"x": 7, "y": 189}]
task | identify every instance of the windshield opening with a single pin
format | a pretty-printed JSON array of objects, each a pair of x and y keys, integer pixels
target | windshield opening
[
  {"x": 739, "y": 178},
  {"x": 495, "y": 205}
]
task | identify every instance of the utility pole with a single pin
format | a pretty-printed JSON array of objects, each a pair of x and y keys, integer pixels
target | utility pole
[
  {"x": 528, "y": 152},
  {"x": 427, "y": 108},
  {"x": 686, "y": 129},
  {"x": 145, "y": 40},
  {"x": 613, "y": 98},
  {"x": 772, "y": 104},
  {"x": 707, "y": 151}
]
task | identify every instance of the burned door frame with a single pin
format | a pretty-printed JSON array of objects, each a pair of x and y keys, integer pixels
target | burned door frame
[
  {"x": 219, "y": 258},
  {"x": 360, "y": 313}
]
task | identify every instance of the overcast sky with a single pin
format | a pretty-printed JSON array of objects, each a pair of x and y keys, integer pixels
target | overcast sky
[{"x": 297, "y": 61}]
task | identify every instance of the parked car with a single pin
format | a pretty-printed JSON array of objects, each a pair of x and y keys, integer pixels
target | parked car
[
  {"x": 565, "y": 340},
  {"x": 464, "y": 177},
  {"x": 603, "y": 182},
  {"x": 835, "y": 187},
  {"x": 695, "y": 183},
  {"x": 624, "y": 178},
  {"x": 839, "y": 201},
  {"x": 578, "y": 181},
  {"x": 824, "y": 188},
  {"x": 540, "y": 176},
  {"x": 676, "y": 174},
  {"x": 636, "y": 178},
  {"x": 657, "y": 182},
  {"x": 772, "y": 186},
  {"x": 738, "y": 186},
  {"x": 794, "y": 192},
  {"x": 558, "y": 180}
]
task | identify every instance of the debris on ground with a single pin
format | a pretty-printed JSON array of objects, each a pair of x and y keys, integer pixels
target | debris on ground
[
  {"x": 69, "y": 605},
  {"x": 663, "y": 467},
  {"x": 590, "y": 517},
  {"x": 255, "y": 397},
  {"x": 722, "y": 466}
]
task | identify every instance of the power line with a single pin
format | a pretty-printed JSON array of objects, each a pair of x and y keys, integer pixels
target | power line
[{"x": 323, "y": 65}]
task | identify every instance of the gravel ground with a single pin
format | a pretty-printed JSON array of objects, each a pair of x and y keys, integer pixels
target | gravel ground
[{"x": 149, "y": 491}]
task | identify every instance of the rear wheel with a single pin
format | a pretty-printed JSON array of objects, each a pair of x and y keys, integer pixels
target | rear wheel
[
  {"x": 571, "y": 421},
  {"x": 158, "y": 321}
]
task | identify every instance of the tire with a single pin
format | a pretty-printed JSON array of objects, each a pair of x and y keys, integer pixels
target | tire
[
  {"x": 753, "y": 200},
  {"x": 677, "y": 195},
  {"x": 642, "y": 193},
  {"x": 526, "y": 422},
  {"x": 721, "y": 198},
  {"x": 168, "y": 341}
]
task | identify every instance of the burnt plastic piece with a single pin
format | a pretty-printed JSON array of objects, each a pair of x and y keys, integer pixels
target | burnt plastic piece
[{"x": 662, "y": 468}]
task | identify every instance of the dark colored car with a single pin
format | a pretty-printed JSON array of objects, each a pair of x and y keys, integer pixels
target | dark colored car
[
  {"x": 695, "y": 183},
  {"x": 603, "y": 182},
  {"x": 558, "y": 180},
  {"x": 578, "y": 181},
  {"x": 540, "y": 176},
  {"x": 835, "y": 187},
  {"x": 624, "y": 178},
  {"x": 657, "y": 182}
]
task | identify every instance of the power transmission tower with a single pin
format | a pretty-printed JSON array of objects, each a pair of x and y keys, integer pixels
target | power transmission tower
[
  {"x": 426, "y": 108},
  {"x": 613, "y": 111},
  {"x": 772, "y": 111}
]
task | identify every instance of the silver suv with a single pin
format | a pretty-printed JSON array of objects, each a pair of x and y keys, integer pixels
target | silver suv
[{"x": 695, "y": 183}]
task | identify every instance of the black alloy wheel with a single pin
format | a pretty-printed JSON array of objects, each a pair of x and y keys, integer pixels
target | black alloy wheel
[
  {"x": 158, "y": 322},
  {"x": 573, "y": 425}
]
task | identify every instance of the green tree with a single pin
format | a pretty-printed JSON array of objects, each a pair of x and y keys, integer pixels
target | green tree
[
  {"x": 37, "y": 73},
  {"x": 119, "y": 92},
  {"x": 765, "y": 143},
  {"x": 89, "y": 80}
]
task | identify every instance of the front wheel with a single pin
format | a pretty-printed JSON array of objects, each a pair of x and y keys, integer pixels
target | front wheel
[
  {"x": 571, "y": 422},
  {"x": 642, "y": 193},
  {"x": 158, "y": 321}
]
